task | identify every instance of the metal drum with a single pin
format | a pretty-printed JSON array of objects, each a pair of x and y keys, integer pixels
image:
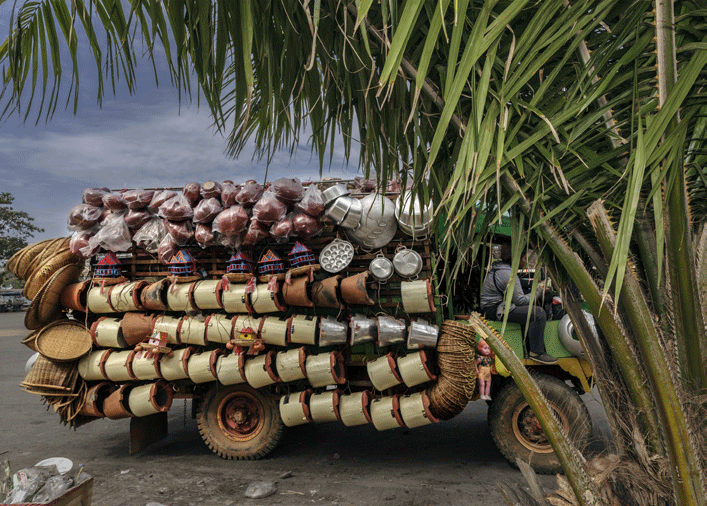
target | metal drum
[
  {"x": 415, "y": 410},
  {"x": 192, "y": 331},
  {"x": 125, "y": 297},
  {"x": 219, "y": 328},
  {"x": 229, "y": 369},
  {"x": 363, "y": 329},
  {"x": 325, "y": 369},
  {"x": 354, "y": 409},
  {"x": 324, "y": 407},
  {"x": 170, "y": 326},
  {"x": 91, "y": 366},
  {"x": 205, "y": 294},
  {"x": 149, "y": 399},
  {"x": 201, "y": 367},
  {"x": 385, "y": 413},
  {"x": 106, "y": 333},
  {"x": 390, "y": 330},
  {"x": 266, "y": 300},
  {"x": 291, "y": 364},
  {"x": 259, "y": 371},
  {"x": 178, "y": 297},
  {"x": 117, "y": 366},
  {"x": 234, "y": 298},
  {"x": 98, "y": 300},
  {"x": 422, "y": 335},
  {"x": 414, "y": 369},
  {"x": 418, "y": 296},
  {"x": 145, "y": 367},
  {"x": 382, "y": 372},
  {"x": 175, "y": 367},
  {"x": 273, "y": 330},
  {"x": 303, "y": 329},
  {"x": 332, "y": 332},
  {"x": 294, "y": 409}
]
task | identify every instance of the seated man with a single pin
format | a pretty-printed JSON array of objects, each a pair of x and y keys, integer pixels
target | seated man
[{"x": 492, "y": 304}]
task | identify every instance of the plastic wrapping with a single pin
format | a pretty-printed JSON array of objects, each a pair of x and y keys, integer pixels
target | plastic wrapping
[
  {"x": 138, "y": 199},
  {"x": 192, "y": 191},
  {"x": 113, "y": 235},
  {"x": 207, "y": 210},
  {"x": 287, "y": 190},
  {"x": 269, "y": 209},
  {"x": 84, "y": 217},
  {"x": 159, "y": 198},
  {"x": 180, "y": 231},
  {"x": 256, "y": 232},
  {"x": 229, "y": 191},
  {"x": 365, "y": 185},
  {"x": 211, "y": 190},
  {"x": 94, "y": 196},
  {"x": 167, "y": 249},
  {"x": 282, "y": 230},
  {"x": 115, "y": 202},
  {"x": 177, "y": 208},
  {"x": 136, "y": 218},
  {"x": 27, "y": 482},
  {"x": 150, "y": 235},
  {"x": 79, "y": 240},
  {"x": 53, "y": 488},
  {"x": 204, "y": 235},
  {"x": 231, "y": 221},
  {"x": 312, "y": 202},
  {"x": 306, "y": 226},
  {"x": 250, "y": 193}
]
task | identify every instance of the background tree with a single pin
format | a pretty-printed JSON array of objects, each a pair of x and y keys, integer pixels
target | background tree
[
  {"x": 584, "y": 119},
  {"x": 15, "y": 228}
]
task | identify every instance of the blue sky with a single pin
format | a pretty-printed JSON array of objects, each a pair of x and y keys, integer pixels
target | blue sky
[{"x": 144, "y": 140}]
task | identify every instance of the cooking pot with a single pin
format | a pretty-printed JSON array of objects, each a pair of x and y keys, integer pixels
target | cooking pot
[{"x": 378, "y": 224}]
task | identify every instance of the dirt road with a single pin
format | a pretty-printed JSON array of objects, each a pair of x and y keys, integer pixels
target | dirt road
[{"x": 450, "y": 463}]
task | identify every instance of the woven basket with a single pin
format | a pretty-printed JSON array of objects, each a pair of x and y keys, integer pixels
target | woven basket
[
  {"x": 64, "y": 341},
  {"x": 298, "y": 271},
  {"x": 47, "y": 270},
  {"x": 48, "y": 374},
  {"x": 29, "y": 341},
  {"x": 98, "y": 281}
]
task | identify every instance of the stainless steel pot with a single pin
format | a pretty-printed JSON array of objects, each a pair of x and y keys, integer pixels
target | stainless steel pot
[
  {"x": 378, "y": 223},
  {"x": 337, "y": 210},
  {"x": 407, "y": 263},
  {"x": 334, "y": 192},
  {"x": 353, "y": 216},
  {"x": 381, "y": 268}
]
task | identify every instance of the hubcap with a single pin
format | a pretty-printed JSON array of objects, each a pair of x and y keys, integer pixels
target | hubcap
[
  {"x": 240, "y": 416},
  {"x": 529, "y": 432}
]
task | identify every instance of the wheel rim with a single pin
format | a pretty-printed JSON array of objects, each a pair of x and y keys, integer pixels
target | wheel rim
[
  {"x": 529, "y": 432},
  {"x": 240, "y": 416}
]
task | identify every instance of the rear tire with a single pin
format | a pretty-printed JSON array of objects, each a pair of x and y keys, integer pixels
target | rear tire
[
  {"x": 239, "y": 422},
  {"x": 517, "y": 433}
]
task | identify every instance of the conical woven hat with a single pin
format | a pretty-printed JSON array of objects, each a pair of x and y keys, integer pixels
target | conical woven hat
[
  {"x": 17, "y": 261},
  {"x": 64, "y": 340},
  {"x": 61, "y": 258},
  {"x": 34, "y": 255},
  {"x": 45, "y": 307}
]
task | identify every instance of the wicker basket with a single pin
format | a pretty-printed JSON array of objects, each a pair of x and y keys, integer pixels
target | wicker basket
[{"x": 64, "y": 341}]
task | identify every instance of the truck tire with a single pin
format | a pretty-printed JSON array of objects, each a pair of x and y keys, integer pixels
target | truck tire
[
  {"x": 517, "y": 433},
  {"x": 239, "y": 422}
]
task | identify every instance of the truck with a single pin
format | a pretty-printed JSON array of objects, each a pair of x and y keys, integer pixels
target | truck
[{"x": 343, "y": 326}]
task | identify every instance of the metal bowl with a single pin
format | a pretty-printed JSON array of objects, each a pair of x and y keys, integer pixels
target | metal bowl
[
  {"x": 353, "y": 216},
  {"x": 407, "y": 263},
  {"x": 381, "y": 268},
  {"x": 334, "y": 192},
  {"x": 337, "y": 211}
]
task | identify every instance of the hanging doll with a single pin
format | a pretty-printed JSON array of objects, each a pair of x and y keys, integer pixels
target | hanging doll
[{"x": 484, "y": 363}]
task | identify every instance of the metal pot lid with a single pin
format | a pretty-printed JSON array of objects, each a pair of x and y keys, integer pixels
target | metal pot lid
[
  {"x": 407, "y": 263},
  {"x": 381, "y": 268},
  {"x": 336, "y": 256},
  {"x": 378, "y": 224}
]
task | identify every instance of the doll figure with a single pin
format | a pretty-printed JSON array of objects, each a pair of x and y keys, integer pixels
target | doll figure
[{"x": 484, "y": 362}]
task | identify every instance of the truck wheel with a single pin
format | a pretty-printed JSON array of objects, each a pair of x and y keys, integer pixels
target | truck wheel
[
  {"x": 517, "y": 432},
  {"x": 239, "y": 422}
]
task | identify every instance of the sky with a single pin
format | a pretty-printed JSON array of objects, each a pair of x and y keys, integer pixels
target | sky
[{"x": 141, "y": 141}]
